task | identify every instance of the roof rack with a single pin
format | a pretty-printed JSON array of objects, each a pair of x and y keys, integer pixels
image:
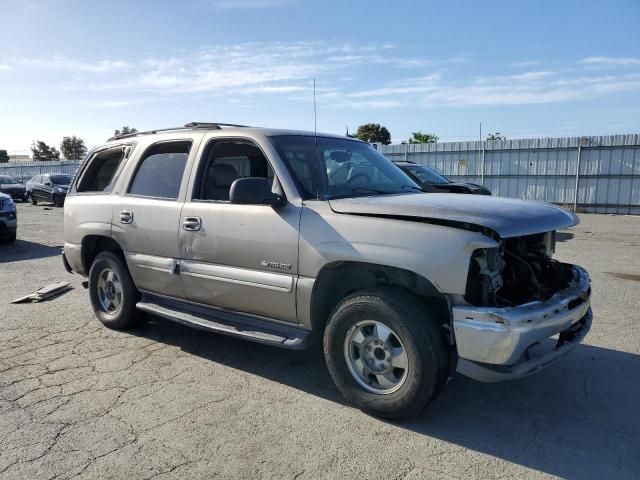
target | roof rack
[{"x": 187, "y": 126}]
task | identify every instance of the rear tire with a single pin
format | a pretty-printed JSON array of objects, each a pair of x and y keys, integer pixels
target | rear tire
[
  {"x": 33, "y": 200},
  {"x": 393, "y": 378},
  {"x": 112, "y": 292}
]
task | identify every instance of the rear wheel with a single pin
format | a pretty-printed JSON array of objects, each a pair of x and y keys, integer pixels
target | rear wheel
[
  {"x": 385, "y": 353},
  {"x": 33, "y": 199},
  {"x": 112, "y": 292}
]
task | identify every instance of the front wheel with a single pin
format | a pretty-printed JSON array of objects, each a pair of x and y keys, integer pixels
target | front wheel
[
  {"x": 33, "y": 199},
  {"x": 385, "y": 353},
  {"x": 112, "y": 292}
]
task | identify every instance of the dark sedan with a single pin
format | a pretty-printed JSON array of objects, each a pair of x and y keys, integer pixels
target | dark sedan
[
  {"x": 431, "y": 181},
  {"x": 13, "y": 187},
  {"x": 50, "y": 187}
]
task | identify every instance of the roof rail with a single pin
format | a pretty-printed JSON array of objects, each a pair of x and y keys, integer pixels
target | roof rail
[
  {"x": 187, "y": 126},
  {"x": 214, "y": 125}
]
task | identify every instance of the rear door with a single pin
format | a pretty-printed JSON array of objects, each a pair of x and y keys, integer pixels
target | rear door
[
  {"x": 238, "y": 257},
  {"x": 146, "y": 215}
]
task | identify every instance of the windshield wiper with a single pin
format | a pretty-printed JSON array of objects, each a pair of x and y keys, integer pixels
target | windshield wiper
[
  {"x": 364, "y": 190},
  {"x": 413, "y": 187}
]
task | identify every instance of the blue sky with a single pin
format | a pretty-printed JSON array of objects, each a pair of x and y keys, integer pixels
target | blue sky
[{"x": 537, "y": 68}]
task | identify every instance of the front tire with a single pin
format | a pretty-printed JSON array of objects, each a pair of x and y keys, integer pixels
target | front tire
[
  {"x": 33, "y": 200},
  {"x": 112, "y": 292},
  {"x": 385, "y": 353}
]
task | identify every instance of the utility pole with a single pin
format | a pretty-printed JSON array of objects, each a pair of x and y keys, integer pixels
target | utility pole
[{"x": 481, "y": 157}]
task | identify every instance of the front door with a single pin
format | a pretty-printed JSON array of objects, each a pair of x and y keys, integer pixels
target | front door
[
  {"x": 146, "y": 219},
  {"x": 238, "y": 257}
]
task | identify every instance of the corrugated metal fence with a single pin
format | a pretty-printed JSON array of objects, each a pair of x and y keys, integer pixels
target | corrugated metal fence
[
  {"x": 591, "y": 174},
  {"x": 27, "y": 170}
]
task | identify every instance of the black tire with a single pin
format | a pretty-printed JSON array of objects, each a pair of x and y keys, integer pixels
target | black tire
[
  {"x": 11, "y": 238},
  {"x": 126, "y": 314},
  {"x": 33, "y": 200},
  {"x": 415, "y": 327},
  {"x": 57, "y": 201}
]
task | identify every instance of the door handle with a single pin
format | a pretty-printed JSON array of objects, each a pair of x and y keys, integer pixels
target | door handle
[
  {"x": 126, "y": 216},
  {"x": 192, "y": 224}
]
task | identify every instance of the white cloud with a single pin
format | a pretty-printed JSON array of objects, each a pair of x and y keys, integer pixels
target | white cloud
[
  {"x": 343, "y": 71},
  {"x": 610, "y": 61},
  {"x": 109, "y": 104},
  {"x": 4, "y": 67},
  {"x": 245, "y": 4},
  {"x": 63, "y": 63},
  {"x": 527, "y": 88}
]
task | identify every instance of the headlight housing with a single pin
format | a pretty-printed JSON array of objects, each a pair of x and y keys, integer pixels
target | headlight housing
[{"x": 485, "y": 276}]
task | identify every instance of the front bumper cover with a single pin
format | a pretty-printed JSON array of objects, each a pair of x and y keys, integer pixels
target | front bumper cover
[{"x": 496, "y": 343}]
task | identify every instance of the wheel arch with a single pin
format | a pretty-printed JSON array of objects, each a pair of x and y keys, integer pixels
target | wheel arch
[
  {"x": 92, "y": 245},
  {"x": 337, "y": 280}
]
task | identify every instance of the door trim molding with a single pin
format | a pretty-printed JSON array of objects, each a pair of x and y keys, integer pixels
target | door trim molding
[{"x": 239, "y": 276}]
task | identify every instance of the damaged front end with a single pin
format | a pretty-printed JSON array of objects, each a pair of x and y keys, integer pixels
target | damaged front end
[{"x": 523, "y": 309}]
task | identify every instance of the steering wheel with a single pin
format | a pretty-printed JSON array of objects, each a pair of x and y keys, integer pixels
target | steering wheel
[{"x": 361, "y": 174}]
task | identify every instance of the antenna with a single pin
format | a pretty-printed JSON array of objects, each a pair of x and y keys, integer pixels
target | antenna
[
  {"x": 315, "y": 140},
  {"x": 315, "y": 111}
]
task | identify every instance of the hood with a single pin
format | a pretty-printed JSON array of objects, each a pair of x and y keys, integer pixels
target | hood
[{"x": 507, "y": 217}]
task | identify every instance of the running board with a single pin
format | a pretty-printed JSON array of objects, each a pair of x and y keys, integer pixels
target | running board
[{"x": 225, "y": 322}]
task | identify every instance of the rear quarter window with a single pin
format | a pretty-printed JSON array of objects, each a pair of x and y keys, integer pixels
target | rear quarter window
[{"x": 99, "y": 175}]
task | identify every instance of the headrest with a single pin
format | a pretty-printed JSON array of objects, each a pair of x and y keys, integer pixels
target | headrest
[
  {"x": 340, "y": 156},
  {"x": 223, "y": 175}
]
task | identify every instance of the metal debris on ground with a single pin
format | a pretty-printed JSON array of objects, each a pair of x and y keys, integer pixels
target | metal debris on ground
[{"x": 45, "y": 292}]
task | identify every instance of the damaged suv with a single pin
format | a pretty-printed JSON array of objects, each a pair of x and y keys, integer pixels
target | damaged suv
[{"x": 287, "y": 238}]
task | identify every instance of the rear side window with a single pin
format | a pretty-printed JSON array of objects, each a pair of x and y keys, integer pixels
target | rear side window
[
  {"x": 100, "y": 173},
  {"x": 160, "y": 171}
]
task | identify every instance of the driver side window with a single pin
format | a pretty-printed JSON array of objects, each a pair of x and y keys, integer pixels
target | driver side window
[{"x": 225, "y": 161}]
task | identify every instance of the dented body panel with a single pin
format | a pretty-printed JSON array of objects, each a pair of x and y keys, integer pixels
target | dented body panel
[{"x": 507, "y": 217}]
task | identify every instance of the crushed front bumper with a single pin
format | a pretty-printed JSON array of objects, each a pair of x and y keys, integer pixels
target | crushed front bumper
[{"x": 496, "y": 343}]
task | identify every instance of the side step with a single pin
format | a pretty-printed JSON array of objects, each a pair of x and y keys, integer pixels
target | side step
[{"x": 225, "y": 322}]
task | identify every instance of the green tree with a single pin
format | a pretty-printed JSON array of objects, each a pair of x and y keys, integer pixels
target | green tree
[
  {"x": 43, "y": 152},
  {"x": 419, "y": 137},
  {"x": 496, "y": 136},
  {"x": 4, "y": 158},
  {"x": 373, "y": 132},
  {"x": 125, "y": 131},
  {"x": 73, "y": 148}
]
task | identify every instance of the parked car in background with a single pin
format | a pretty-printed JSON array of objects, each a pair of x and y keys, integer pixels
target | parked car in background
[
  {"x": 12, "y": 186},
  {"x": 50, "y": 187},
  {"x": 8, "y": 219},
  {"x": 431, "y": 181}
]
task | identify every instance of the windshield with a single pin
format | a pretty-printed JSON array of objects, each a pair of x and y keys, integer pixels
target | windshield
[
  {"x": 344, "y": 168},
  {"x": 60, "y": 179},
  {"x": 425, "y": 175},
  {"x": 7, "y": 180}
]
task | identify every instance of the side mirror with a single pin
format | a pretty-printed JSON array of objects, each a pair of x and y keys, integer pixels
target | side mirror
[{"x": 254, "y": 191}]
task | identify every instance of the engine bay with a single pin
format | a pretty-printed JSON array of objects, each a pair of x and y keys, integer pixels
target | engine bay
[{"x": 519, "y": 271}]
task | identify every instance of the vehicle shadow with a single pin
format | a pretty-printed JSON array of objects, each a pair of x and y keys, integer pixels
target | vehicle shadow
[
  {"x": 25, "y": 250},
  {"x": 576, "y": 419},
  {"x": 564, "y": 236}
]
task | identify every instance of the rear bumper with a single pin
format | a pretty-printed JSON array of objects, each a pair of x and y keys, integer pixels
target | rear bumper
[
  {"x": 498, "y": 343},
  {"x": 72, "y": 259}
]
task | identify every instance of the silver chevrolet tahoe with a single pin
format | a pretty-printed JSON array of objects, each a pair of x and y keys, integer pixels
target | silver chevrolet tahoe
[{"x": 287, "y": 238}]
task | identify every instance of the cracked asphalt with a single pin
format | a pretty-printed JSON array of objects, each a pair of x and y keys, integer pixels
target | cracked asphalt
[{"x": 164, "y": 401}]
